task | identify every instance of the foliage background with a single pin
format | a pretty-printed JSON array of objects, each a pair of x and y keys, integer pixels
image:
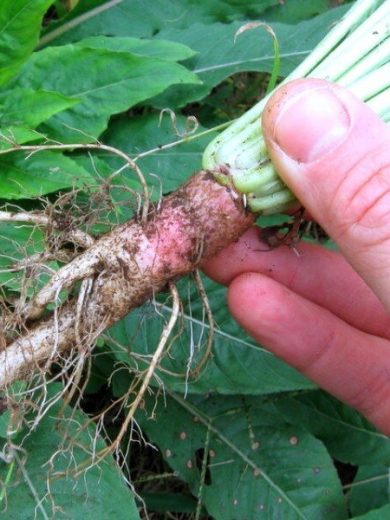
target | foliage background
[{"x": 243, "y": 437}]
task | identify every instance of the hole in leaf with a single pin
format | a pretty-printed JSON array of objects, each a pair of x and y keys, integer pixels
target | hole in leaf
[
  {"x": 199, "y": 461},
  {"x": 347, "y": 472}
]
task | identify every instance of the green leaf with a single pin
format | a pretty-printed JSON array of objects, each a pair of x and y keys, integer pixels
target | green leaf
[
  {"x": 145, "y": 19},
  {"x": 164, "y": 169},
  {"x": 106, "y": 82},
  {"x": 166, "y": 50},
  {"x": 20, "y": 25},
  {"x": 171, "y": 166},
  {"x": 377, "y": 514},
  {"x": 370, "y": 489},
  {"x": 11, "y": 135},
  {"x": 219, "y": 55},
  {"x": 11, "y": 423},
  {"x": 256, "y": 465},
  {"x": 17, "y": 242},
  {"x": 4, "y": 422},
  {"x": 23, "y": 109},
  {"x": 295, "y": 11},
  {"x": 236, "y": 363},
  {"x": 43, "y": 480},
  {"x": 348, "y": 436},
  {"x": 24, "y": 106},
  {"x": 39, "y": 174}
]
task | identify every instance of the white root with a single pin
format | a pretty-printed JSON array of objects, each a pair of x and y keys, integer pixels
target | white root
[
  {"x": 82, "y": 267},
  {"x": 39, "y": 219}
]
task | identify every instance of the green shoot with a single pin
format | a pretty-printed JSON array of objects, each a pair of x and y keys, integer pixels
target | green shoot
[{"x": 355, "y": 54}]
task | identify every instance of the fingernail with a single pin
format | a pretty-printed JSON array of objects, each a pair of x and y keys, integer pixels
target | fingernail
[{"x": 311, "y": 124}]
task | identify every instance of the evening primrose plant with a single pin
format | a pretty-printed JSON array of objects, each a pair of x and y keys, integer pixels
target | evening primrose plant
[
  {"x": 355, "y": 54},
  {"x": 105, "y": 353},
  {"x": 188, "y": 226}
]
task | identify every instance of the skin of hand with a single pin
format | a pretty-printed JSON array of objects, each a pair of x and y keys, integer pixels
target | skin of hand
[{"x": 326, "y": 313}]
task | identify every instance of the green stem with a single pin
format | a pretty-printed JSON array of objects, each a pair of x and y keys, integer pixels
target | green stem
[
  {"x": 353, "y": 18},
  {"x": 276, "y": 65},
  {"x": 372, "y": 84},
  {"x": 378, "y": 57},
  {"x": 355, "y": 54},
  {"x": 380, "y": 105},
  {"x": 358, "y": 44},
  {"x": 7, "y": 480}
]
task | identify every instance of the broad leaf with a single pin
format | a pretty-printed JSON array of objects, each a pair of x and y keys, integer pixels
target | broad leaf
[
  {"x": 42, "y": 173},
  {"x": 43, "y": 477},
  {"x": 255, "y": 464},
  {"x": 369, "y": 489},
  {"x": 18, "y": 242},
  {"x": 20, "y": 25},
  {"x": 24, "y": 106},
  {"x": 166, "y": 50},
  {"x": 12, "y": 135},
  {"x": 236, "y": 363},
  {"x": 295, "y": 11},
  {"x": 145, "y": 19},
  {"x": 170, "y": 166},
  {"x": 348, "y": 436},
  {"x": 105, "y": 82},
  {"x": 377, "y": 514},
  {"x": 220, "y": 56}
]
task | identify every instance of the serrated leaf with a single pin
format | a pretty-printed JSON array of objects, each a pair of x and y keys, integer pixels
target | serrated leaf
[
  {"x": 20, "y": 25},
  {"x": 257, "y": 466},
  {"x": 166, "y": 50},
  {"x": 39, "y": 174},
  {"x": 219, "y": 55},
  {"x": 12, "y": 135},
  {"x": 236, "y": 363},
  {"x": 369, "y": 489},
  {"x": 105, "y": 82},
  {"x": 25, "y": 106},
  {"x": 51, "y": 454},
  {"x": 348, "y": 436}
]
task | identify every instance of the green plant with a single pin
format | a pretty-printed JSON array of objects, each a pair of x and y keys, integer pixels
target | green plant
[{"x": 244, "y": 447}]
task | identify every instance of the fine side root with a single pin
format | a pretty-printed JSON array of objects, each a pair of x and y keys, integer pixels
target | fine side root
[
  {"x": 77, "y": 236},
  {"x": 151, "y": 369},
  {"x": 115, "y": 446},
  {"x": 31, "y": 149},
  {"x": 47, "y": 335},
  {"x": 64, "y": 278},
  {"x": 195, "y": 372},
  {"x": 117, "y": 273},
  {"x": 126, "y": 267}
]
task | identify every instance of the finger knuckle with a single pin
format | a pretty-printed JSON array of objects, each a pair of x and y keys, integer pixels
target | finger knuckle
[
  {"x": 364, "y": 200},
  {"x": 369, "y": 206},
  {"x": 373, "y": 396}
]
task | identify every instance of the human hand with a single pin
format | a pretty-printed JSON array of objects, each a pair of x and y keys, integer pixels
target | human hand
[{"x": 325, "y": 313}]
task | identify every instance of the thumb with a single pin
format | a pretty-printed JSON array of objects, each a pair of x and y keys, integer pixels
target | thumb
[{"x": 334, "y": 154}]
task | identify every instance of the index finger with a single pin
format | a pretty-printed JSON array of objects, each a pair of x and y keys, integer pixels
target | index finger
[{"x": 318, "y": 274}]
